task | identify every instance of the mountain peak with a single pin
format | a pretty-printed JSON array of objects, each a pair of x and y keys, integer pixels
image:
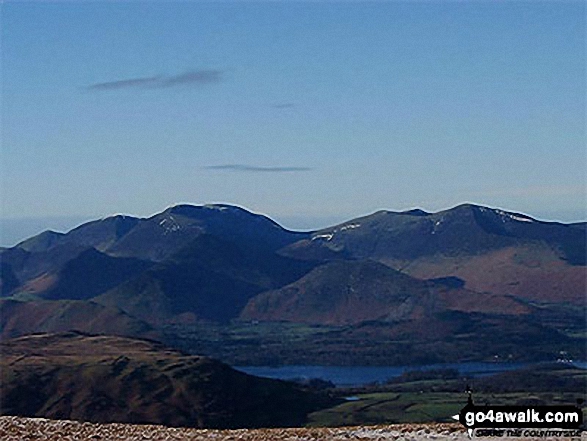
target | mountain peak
[
  {"x": 507, "y": 215},
  {"x": 415, "y": 212},
  {"x": 496, "y": 211},
  {"x": 189, "y": 210},
  {"x": 41, "y": 241}
]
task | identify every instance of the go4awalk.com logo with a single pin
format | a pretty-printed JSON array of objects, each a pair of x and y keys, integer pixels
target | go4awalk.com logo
[{"x": 521, "y": 421}]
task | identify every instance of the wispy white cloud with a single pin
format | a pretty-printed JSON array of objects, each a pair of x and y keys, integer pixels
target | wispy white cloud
[
  {"x": 284, "y": 105},
  {"x": 256, "y": 168}
]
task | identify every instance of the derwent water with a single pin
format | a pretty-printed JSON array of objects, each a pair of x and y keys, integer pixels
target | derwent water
[{"x": 361, "y": 375}]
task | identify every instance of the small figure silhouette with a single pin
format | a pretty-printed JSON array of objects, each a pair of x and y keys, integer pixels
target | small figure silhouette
[{"x": 470, "y": 396}]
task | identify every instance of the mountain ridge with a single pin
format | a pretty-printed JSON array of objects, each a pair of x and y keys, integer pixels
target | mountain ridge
[{"x": 222, "y": 264}]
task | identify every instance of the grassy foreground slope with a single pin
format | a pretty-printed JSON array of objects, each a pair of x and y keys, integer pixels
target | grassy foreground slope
[{"x": 116, "y": 379}]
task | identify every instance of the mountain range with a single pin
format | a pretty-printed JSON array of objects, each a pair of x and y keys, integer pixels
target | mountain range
[{"x": 397, "y": 272}]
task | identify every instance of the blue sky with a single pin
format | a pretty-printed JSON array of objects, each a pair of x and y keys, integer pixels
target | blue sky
[{"x": 308, "y": 112}]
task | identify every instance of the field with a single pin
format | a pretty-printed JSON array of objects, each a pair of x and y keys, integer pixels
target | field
[
  {"x": 420, "y": 397},
  {"x": 413, "y": 407},
  {"x": 476, "y": 338}
]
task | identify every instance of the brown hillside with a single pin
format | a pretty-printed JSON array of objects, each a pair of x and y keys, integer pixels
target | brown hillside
[
  {"x": 117, "y": 379},
  {"x": 351, "y": 292},
  {"x": 532, "y": 273}
]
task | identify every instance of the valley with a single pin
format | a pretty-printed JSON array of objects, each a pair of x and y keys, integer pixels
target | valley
[{"x": 132, "y": 320}]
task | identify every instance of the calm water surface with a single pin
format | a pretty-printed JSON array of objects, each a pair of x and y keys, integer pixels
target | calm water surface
[{"x": 360, "y": 375}]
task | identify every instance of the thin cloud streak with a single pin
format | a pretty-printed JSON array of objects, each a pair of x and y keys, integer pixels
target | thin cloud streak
[
  {"x": 284, "y": 105},
  {"x": 195, "y": 77},
  {"x": 123, "y": 84},
  {"x": 256, "y": 168}
]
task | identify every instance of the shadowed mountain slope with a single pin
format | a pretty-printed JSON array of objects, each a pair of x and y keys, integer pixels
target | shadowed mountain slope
[
  {"x": 210, "y": 279},
  {"x": 21, "y": 318},
  {"x": 116, "y": 379},
  {"x": 85, "y": 276},
  {"x": 153, "y": 239},
  {"x": 164, "y": 234}
]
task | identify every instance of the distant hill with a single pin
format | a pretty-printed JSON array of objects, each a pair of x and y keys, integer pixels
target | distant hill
[
  {"x": 351, "y": 292},
  {"x": 18, "y": 318},
  {"x": 114, "y": 379},
  {"x": 491, "y": 250},
  {"x": 193, "y": 262},
  {"x": 465, "y": 229},
  {"x": 99, "y": 234},
  {"x": 164, "y": 234},
  {"x": 86, "y": 275},
  {"x": 210, "y": 278}
]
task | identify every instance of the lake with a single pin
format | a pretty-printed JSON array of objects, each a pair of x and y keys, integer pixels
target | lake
[{"x": 360, "y": 375}]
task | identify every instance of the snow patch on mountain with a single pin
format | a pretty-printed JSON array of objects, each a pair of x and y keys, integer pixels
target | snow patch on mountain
[
  {"x": 169, "y": 225},
  {"x": 509, "y": 216},
  {"x": 215, "y": 207},
  {"x": 349, "y": 227},
  {"x": 327, "y": 236}
]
